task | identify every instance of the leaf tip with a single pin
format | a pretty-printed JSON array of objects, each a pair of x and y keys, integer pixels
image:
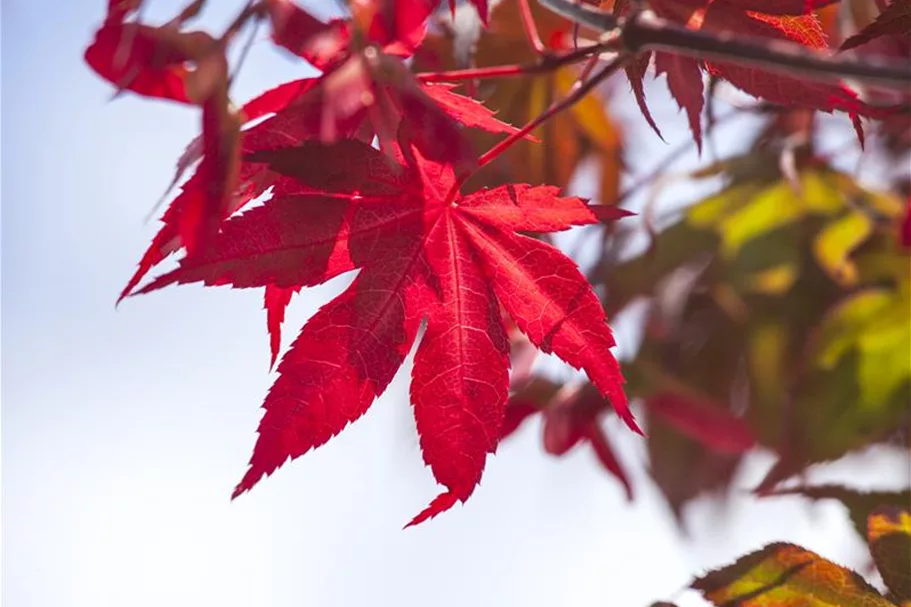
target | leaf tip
[
  {"x": 238, "y": 491},
  {"x": 630, "y": 420},
  {"x": 440, "y": 504},
  {"x": 608, "y": 213}
]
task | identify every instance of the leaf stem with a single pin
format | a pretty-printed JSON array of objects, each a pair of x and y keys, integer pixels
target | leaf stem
[
  {"x": 531, "y": 29},
  {"x": 547, "y": 63}
]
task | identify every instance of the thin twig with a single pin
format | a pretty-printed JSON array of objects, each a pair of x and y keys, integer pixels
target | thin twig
[
  {"x": 557, "y": 107},
  {"x": 531, "y": 29},
  {"x": 671, "y": 158},
  {"x": 547, "y": 63},
  {"x": 245, "y": 51}
]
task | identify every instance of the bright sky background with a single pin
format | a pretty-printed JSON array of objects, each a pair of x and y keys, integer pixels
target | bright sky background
[{"x": 123, "y": 432}]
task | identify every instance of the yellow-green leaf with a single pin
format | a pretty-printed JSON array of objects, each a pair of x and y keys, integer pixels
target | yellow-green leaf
[
  {"x": 875, "y": 324},
  {"x": 748, "y": 210},
  {"x": 776, "y": 280},
  {"x": 835, "y": 243}
]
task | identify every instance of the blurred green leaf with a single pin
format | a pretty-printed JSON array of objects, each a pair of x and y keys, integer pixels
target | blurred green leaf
[
  {"x": 876, "y": 324},
  {"x": 795, "y": 309},
  {"x": 835, "y": 243}
]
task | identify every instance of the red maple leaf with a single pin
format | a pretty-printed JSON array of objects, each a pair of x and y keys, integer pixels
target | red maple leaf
[
  {"x": 684, "y": 81},
  {"x": 424, "y": 251},
  {"x": 895, "y": 20},
  {"x": 787, "y": 20},
  {"x": 724, "y": 16},
  {"x": 782, "y": 7},
  {"x": 276, "y": 300},
  {"x": 294, "y": 120},
  {"x": 703, "y": 420},
  {"x": 359, "y": 84},
  {"x": 398, "y": 26},
  {"x": 153, "y": 61},
  {"x": 635, "y": 72},
  {"x": 363, "y": 79},
  {"x": 323, "y": 108},
  {"x": 571, "y": 417}
]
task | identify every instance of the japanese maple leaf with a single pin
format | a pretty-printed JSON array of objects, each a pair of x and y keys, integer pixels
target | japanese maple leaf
[
  {"x": 571, "y": 416},
  {"x": 397, "y": 26},
  {"x": 424, "y": 251},
  {"x": 292, "y": 122},
  {"x": 310, "y": 108},
  {"x": 895, "y": 20},
  {"x": 782, "y": 7},
  {"x": 786, "y": 20},
  {"x": 362, "y": 76},
  {"x": 724, "y": 16},
  {"x": 152, "y": 61}
]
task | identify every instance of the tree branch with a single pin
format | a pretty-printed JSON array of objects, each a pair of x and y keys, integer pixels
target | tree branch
[{"x": 646, "y": 31}]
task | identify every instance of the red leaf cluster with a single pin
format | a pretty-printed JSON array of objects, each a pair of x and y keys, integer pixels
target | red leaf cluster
[
  {"x": 785, "y": 20},
  {"x": 426, "y": 253}
]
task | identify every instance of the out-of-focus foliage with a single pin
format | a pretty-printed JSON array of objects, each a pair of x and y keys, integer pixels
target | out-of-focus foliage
[
  {"x": 785, "y": 575},
  {"x": 787, "y": 300},
  {"x": 781, "y": 306}
]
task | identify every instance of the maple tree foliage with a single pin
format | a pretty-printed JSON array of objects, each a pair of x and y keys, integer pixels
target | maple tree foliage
[
  {"x": 423, "y": 253},
  {"x": 433, "y": 159}
]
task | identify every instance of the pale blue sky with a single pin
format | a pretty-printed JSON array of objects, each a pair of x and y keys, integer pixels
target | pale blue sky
[{"x": 123, "y": 432}]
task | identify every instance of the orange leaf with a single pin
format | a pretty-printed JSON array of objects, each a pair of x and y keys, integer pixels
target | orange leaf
[{"x": 785, "y": 575}]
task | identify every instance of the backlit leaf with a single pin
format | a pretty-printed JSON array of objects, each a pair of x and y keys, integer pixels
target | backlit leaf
[
  {"x": 785, "y": 575},
  {"x": 424, "y": 251},
  {"x": 895, "y": 20},
  {"x": 835, "y": 243}
]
